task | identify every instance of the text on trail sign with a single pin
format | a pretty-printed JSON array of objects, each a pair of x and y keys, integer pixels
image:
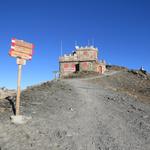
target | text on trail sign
[{"x": 21, "y": 49}]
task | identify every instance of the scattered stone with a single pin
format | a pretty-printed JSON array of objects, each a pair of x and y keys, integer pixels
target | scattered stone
[
  {"x": 71, "y": 109},
  {"x": 19, "y": 119},
  {"x": 139, "y": 109},
  {"x": 145, "y": 117},
  {"x": 133, "y": 107},
  {"x": 60, "y": 134}
]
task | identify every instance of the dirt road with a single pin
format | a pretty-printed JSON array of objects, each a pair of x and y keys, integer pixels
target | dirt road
[{"x": 75, "y": 114}]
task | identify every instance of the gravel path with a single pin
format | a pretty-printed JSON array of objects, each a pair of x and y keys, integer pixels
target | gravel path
[
  {"x": 75, "y": 114},
  {"x": 114, "y": 121}
]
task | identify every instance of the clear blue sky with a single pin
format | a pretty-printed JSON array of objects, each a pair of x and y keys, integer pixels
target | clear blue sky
[{"x": 120, "y": 29}]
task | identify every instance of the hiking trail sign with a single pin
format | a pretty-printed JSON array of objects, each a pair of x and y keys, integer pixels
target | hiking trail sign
[{"x": 22, "y": 51}]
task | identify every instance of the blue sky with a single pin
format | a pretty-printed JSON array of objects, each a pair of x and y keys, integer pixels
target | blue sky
[{"x": 120, "y": 29}]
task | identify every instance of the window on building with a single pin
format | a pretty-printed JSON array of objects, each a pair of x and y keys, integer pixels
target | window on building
[{"x": 66, "y": 65}]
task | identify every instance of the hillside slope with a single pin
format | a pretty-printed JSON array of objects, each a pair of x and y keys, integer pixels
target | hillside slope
[
  {"x": 135, "y": 83},
  {"x": 95, "y": 113}
]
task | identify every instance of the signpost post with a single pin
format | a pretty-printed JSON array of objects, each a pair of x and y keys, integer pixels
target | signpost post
[
  {"x": 18, "y": 90},
  {"x": 22, "y": 51}
]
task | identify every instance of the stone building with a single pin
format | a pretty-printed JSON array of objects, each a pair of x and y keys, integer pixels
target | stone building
[{"x": 82, "y": 59}]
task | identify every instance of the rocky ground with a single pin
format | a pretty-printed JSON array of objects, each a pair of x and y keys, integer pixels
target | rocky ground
[
  {"x": 6, "y": 97},
  {"x": 108, "y": 112}
]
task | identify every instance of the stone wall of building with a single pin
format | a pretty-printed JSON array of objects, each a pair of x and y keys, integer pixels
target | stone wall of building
[
  {"x": 82, "y": 59},
  {"x": 87, "y": 66}
]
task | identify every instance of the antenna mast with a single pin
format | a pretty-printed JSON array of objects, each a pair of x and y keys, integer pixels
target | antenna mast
[
  {"x": 88, "y": 42},
  {"x": 93, "y": 41},
  {"x": 75, "y": 43},
  {"x": 61, "y": 48}
]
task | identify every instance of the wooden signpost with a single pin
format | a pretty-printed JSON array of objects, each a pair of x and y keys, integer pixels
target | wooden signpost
[{"x": 22, "y": 51}]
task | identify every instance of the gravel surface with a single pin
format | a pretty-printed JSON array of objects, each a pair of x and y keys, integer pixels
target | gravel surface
[{"x": 76, "y": 114}]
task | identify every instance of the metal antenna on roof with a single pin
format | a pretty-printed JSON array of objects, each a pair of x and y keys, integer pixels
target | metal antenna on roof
[
  {"x": 93, "y": 41},
  {"x": 76, "y": 45},
  {"x": 61, "y": 48},
  {"x": 88, "y": 42}
]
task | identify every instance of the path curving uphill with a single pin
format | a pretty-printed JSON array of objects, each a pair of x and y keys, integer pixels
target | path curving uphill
[{"x": 78, "y": 114}]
